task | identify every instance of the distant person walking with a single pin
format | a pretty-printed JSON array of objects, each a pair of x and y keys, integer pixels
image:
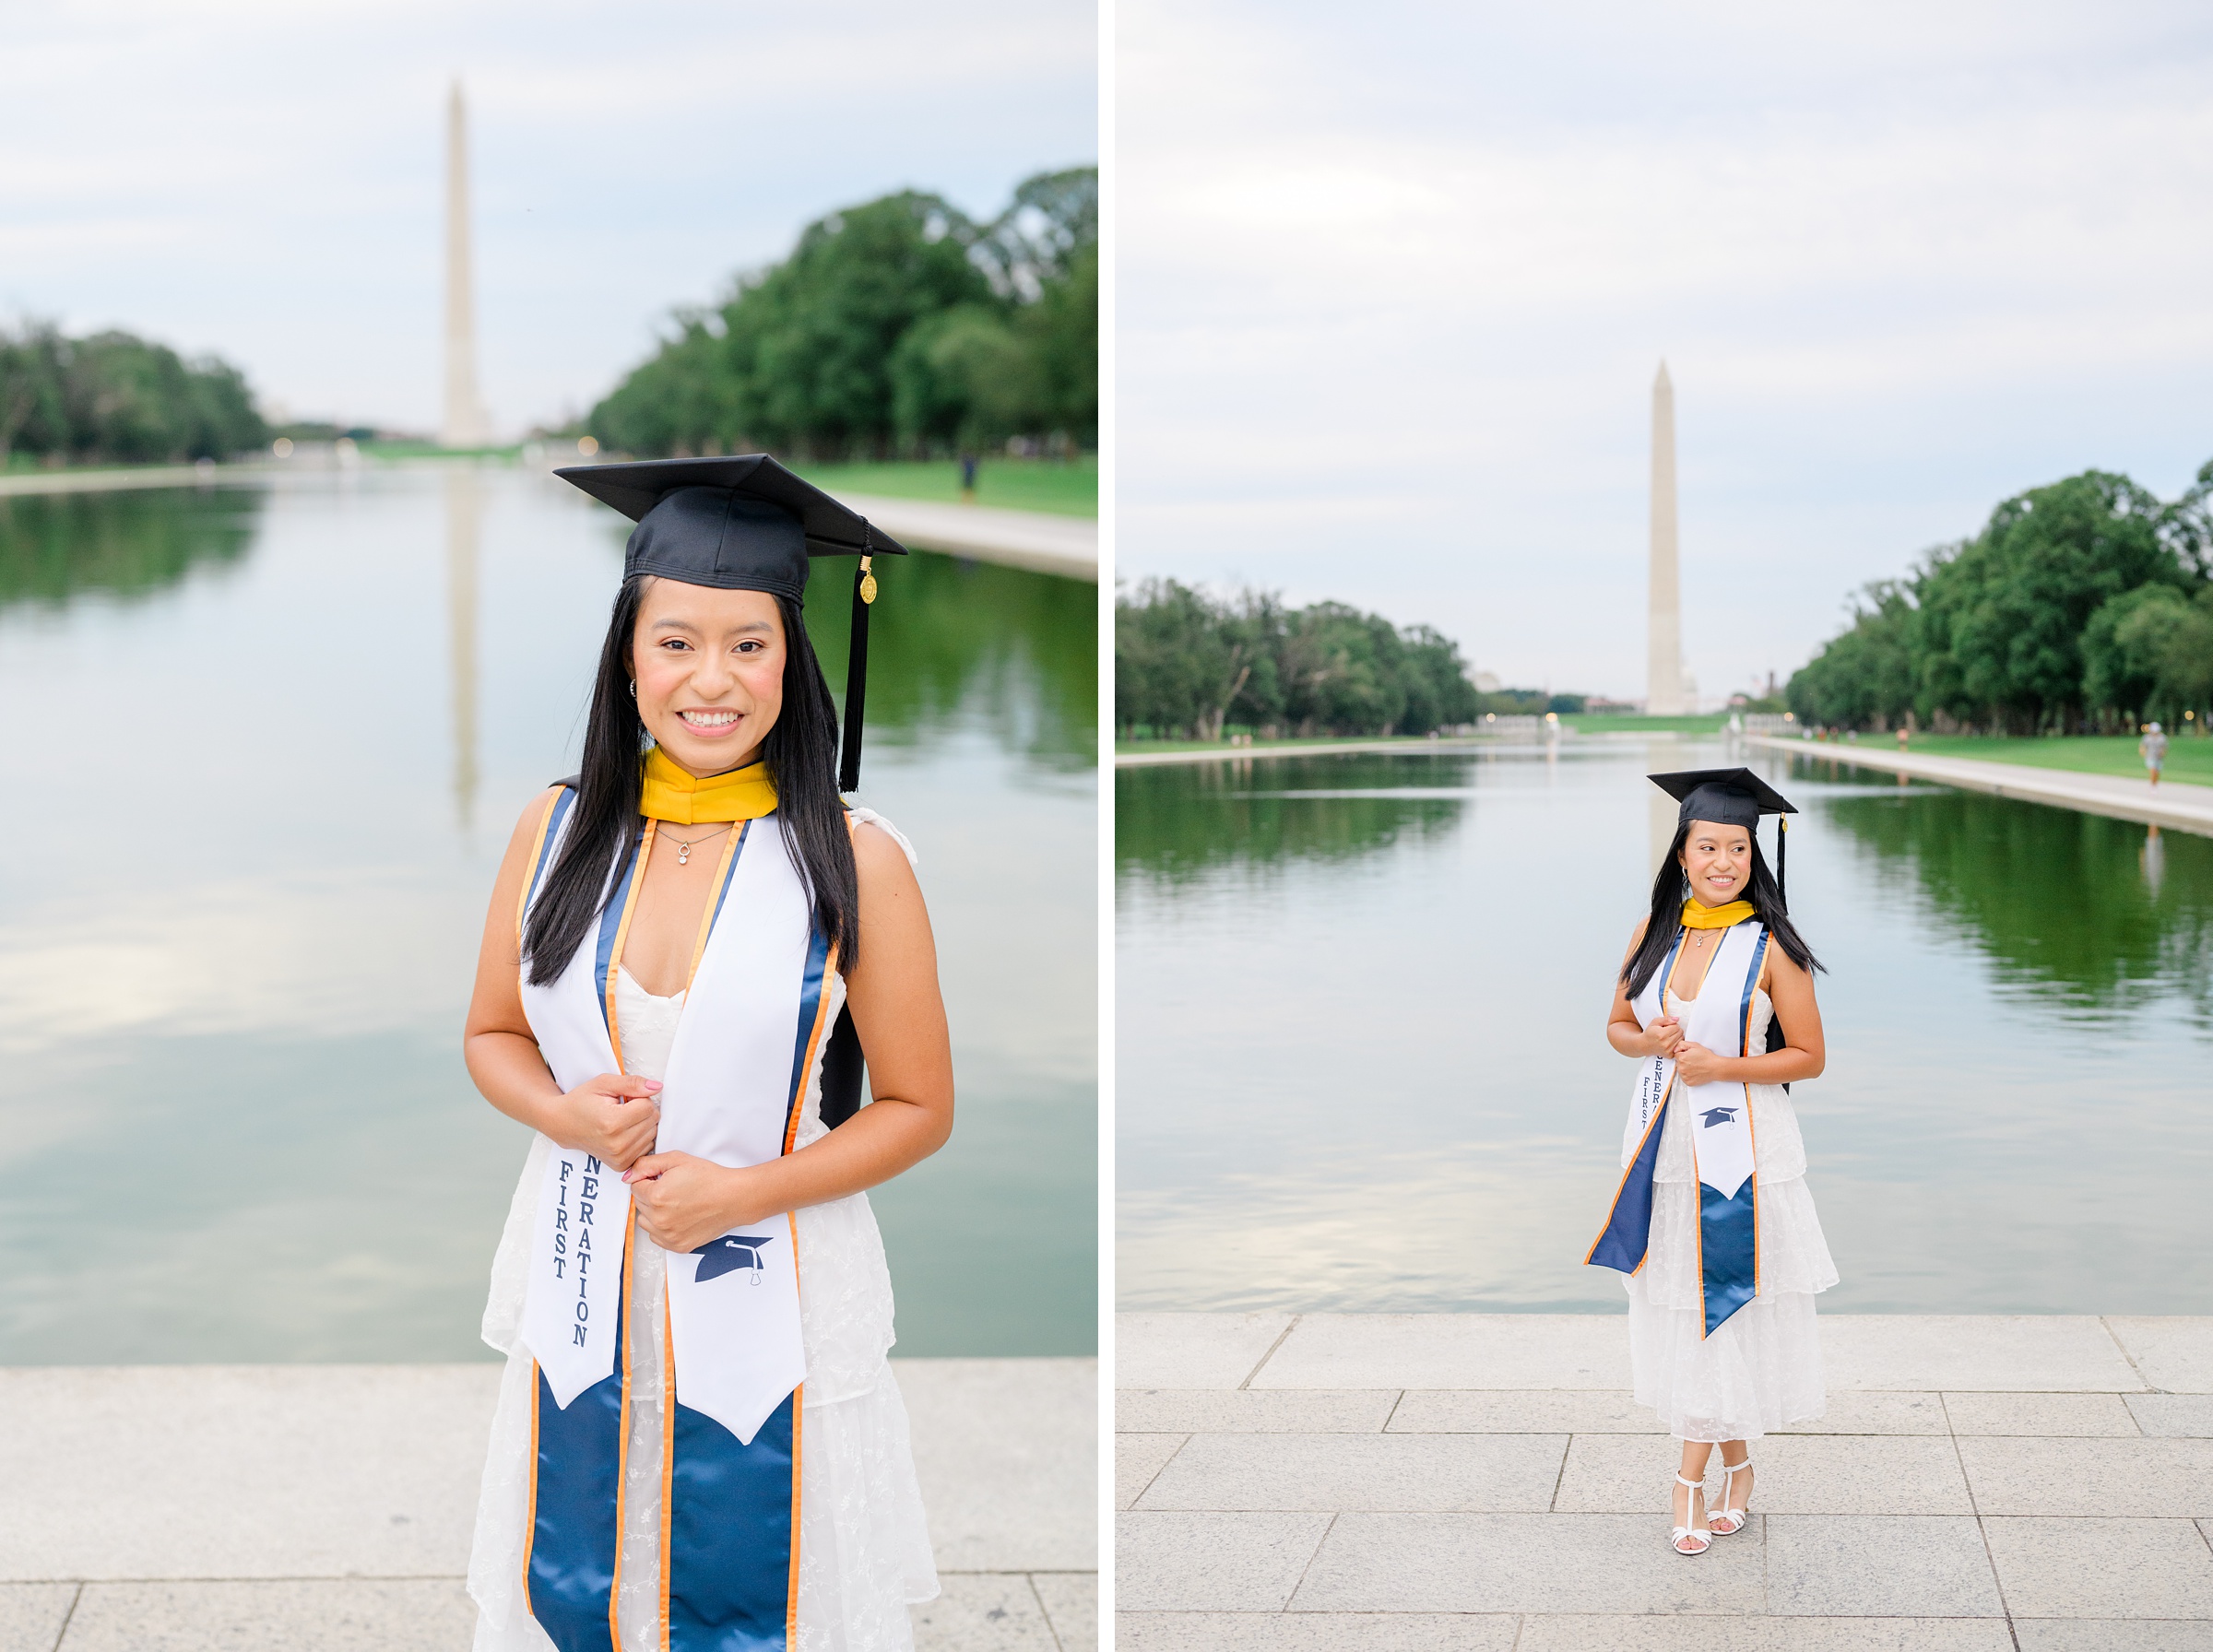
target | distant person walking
[
  {"x": 1713, "y": 1224},
  {"x": 968, "y": 478},
  {"x": 2152, "y": 749}
]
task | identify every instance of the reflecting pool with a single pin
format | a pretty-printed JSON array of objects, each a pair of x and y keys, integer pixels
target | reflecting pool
[
  {"x": 265, "y": 746},
  {"x": 1362, "y": 1062}
]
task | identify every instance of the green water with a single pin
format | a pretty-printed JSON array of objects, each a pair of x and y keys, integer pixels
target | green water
[
  {"x": 264, "y": 748},
  {"x": 1362, "y": 1062}
]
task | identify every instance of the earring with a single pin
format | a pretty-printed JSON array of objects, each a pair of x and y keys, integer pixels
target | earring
[{"x": 633, "y": 689}]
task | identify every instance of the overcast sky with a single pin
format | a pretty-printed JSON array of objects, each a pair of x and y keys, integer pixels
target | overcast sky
[
  {"x": 264, "y": 179},
  {"x": 1394, "y": 285}
]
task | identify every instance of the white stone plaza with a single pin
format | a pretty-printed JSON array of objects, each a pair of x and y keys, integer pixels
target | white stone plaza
[
  {"x": 328, "y": 1508},
  {"x": 1482, "y": 1482}
]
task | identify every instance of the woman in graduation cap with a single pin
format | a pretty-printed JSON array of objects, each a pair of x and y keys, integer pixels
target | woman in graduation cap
[
  {"x": 698, "y": 1442},
  {"x": 1713, "y": 1224}
]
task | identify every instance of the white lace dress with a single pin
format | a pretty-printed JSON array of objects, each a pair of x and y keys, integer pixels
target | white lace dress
[
  {"x": 1762, "y": 1369},
  {"x": 864, "y": 1542}
]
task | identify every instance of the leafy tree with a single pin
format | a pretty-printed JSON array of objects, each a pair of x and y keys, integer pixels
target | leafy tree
[
  {"x": 899, "y": 324},
  {"x": 116, "y": 397},
  {"x": 2016, "y": 598},
  {"x": 963, "y": 377},
  {"x": 1188, "y": 662},
  {"x": 2069, "y": 602},
  {"x": 2151, "y": 652},
  {"x": 1869, "y": 673}
]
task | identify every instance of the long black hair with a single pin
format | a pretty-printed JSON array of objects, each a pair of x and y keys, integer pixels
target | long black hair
[
  {"x": 1670, "y": 888},
  {"x": 801, "y": 755}
]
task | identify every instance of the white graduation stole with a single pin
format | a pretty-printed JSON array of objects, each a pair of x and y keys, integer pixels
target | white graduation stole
[
  {"x": 761, "y": 999},
  {"x": 1721, "y": 1136}
]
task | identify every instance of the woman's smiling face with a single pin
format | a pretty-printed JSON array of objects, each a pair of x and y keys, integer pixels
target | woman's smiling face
[
  {"x": 1718, "y": 861},
  {"x": 709, "y": 670}
]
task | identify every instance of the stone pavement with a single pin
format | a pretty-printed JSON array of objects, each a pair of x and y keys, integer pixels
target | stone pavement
[
  {"x": 327, "y": 1509},
  {"x": 2180, "y": 805},
  {"x": 1481, "y": 1483},
  {"x": 1033, "y": 539}
]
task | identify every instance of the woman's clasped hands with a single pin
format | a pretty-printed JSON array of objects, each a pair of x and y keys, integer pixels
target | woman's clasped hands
[
  {"x": 613, "y": 1117},
  {"x": 683, "y": 1201},
  {"x": 1695, "y": 1064}
]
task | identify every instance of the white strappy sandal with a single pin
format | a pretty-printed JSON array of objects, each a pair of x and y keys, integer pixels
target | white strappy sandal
[
  {"x": 1698, "y": 1488},
  {"x": 1738, "y": 1516}
]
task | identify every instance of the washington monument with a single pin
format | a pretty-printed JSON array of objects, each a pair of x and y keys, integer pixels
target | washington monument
[
  {"x": 1664, "y": 694},
  {"x": 465, "y": 425}
]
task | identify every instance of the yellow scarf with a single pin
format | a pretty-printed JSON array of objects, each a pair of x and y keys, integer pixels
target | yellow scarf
[
  {"x": 673, "y": 795},
  {"x": 1714, "y": 918}
]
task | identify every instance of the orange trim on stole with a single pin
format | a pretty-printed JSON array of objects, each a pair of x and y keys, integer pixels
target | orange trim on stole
[
  {"x": 614, "y": 957},
  {"x": 715, "y": 895},
  {"x": 799, "y": 1413},
  {"x": 614, "y": 1593},
  {"x": 530, "y": 1508},
  {"x": 537, "y": 847},
  {"x": 1759, "y": 966},
  {"x": 814, "y": 1046},
  {"x": 668, "y": 1443}
]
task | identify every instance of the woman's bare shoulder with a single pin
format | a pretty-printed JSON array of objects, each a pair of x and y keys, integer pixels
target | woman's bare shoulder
[
  {"x": 1783, "y": 966},
  {"x": 880, "y": 860},
  {"x": 530, "y": 819}
]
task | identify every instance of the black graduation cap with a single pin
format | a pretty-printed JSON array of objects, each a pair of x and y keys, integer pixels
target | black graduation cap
[
  {"x": 1725, "y": 797},
  {"x": 1729, "y": 797},
  {"x": 745, "y": 524}
]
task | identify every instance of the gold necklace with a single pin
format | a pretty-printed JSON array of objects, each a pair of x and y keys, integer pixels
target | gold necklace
[{"x": 684, "y": 849}]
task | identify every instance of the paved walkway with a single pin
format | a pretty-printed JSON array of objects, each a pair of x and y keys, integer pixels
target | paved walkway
[
  {"x": 123, "y": 479},
  {"x": 1067, "y": 546},
  {"x": 328, "y": 1508},
  {"x": 1032, "y": 539},
  {"x": 1480, "y": 1483},
  {"x": 1245, "y": 754},
  {"x": 2184, "y": 806}
]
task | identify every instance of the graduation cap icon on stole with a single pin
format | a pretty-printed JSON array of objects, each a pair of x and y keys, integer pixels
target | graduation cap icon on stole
[
  {"x": 745, "y": 524},
  {"x": 730, "y": 1253},
  {"x": 1716, "y": 1115}
]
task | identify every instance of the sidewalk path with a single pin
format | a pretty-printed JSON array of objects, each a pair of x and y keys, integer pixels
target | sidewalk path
[
  {"x": 125, "y": 477},
  {"x": 238, "y": 1508},
  {"x": 1480, "y": 1483},
  {"x": 2184, "y": 806},
  {"x": 1245, "y": 754},
  {"x": 1043, "y": 543},
  {"x": 1067, "y": 546}
]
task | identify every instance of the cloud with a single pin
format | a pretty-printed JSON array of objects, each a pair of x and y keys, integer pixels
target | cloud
[
  {"x": 265, "y": 179},
  {"x": 1416, "y": 276}
]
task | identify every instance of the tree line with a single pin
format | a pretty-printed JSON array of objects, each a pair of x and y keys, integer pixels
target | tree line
[
  {"x": 897, "y": 327},
  {"x": 1187, "y": 665},
  {"x": 113, "y": 396},
  {"x": 2086, "y": 606}
]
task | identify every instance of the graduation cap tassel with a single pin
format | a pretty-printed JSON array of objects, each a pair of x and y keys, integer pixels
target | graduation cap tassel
[
  {"x": 1782, "y": 856},
  {"x": 856, "y": 678}
]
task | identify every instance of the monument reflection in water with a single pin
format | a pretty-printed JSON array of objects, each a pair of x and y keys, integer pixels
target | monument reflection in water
[
  {"x": 1362, "y": 1061},
  {"x": 266, "y": 746}
]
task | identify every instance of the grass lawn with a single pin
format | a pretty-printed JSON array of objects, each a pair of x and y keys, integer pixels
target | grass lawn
[
  {"x": 1061, "y": 489},
  {"x": 1630, "y": 722},
  {"x": 430, "y": 450},
  {"x": 2189, "y": 758}
]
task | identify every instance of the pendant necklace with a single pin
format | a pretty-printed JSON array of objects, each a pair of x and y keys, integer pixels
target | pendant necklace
[{"x": 684, "y": 849}]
